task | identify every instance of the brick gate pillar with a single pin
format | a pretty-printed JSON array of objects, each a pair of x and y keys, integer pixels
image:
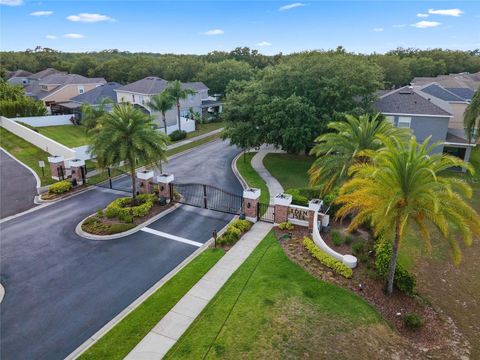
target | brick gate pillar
[
  {"x": 57, "y": 167},
  {"x": 250, "y": 203},
  {"x": 76, "y": 167},
  {"x": 145, "y": 181},
  {"x": 282, "y": 203},
  {"x": 164, "y": 188},
  {"x": 313, "y": 205}
]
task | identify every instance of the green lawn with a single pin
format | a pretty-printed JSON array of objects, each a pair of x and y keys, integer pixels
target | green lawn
[
  {"x": 193, "y": 144},
  {"x": 289, "y": 170},
  {"x": 68, "y": 135},
  {"x": 272, "y": 309},
  {"x": 27, "y": 153},
  {"x": 244, "y": 166},
  {"x": 205, "y": 128},
  {"x": 120, "y": 340}
]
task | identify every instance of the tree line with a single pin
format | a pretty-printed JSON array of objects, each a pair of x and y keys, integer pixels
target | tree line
[{"x": 217, "y": 68}]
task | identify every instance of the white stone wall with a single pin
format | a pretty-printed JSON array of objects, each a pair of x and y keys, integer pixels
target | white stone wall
[{"x": 50, "y": 120}]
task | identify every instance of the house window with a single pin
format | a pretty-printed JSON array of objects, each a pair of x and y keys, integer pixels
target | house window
[
  {"x": 142, "y": 101},
  {"x": 404, "y": 121},
  {"x": 390, "y": 119},
  {"x": 81, "y": 89},
  {"x": 184, "y": 113}
]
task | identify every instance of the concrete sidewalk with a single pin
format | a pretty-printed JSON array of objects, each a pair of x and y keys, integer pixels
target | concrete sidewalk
[
  {"x": 274, "y": 187},
  {"x": 168, "y": 330}
]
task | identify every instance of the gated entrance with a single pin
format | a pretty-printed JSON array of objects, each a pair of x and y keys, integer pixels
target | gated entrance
[
  {"x": 207, "y": 197},
  {"x": 266, "y": 212},
  {"x": 116, "y": 179}
]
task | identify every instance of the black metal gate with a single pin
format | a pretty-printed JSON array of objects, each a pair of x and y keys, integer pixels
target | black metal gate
[
  {"x": 114, "y": 178},
  {"x": 266, "y": 212},
  {"x": 207, "y": 197}
]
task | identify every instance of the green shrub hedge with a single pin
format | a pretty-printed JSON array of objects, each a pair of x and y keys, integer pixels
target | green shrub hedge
[
  {"x": 60, "y": 187},
  {"x": 94, "y": 225},
  {"x": 286, "y": 226},
  {"x": 301, "y": 196},
  {"x": 326, "y": 259},
  {"x": 403, "y": 280},
  {"x": 234, "y": 232},
  {"x": 178, "y": 135},
  {"x": 121, "y": 208}
]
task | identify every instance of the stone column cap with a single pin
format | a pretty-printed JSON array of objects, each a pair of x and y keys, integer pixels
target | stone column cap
[
  {"x": 145, "y": 175},
  {"x": 165, "y": 178},
  {"x": 251, "y": 193},
  {"x": 56, "y": 159},
  {"x": 283, "y": 199},
  {"x": 76, "y": 162},
  {"x": 315, "y": 204}
]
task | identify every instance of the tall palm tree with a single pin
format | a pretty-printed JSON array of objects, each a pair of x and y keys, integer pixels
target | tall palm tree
[
  {"x": 351, "y": 142},
  {"x": 471, "y": 118},
  {"x": 127, "y": 134},
  {"x": 162, "y": 103},
  {"x": 92, "y": 114},
  {"x": 407, "y": 185},
  {"x": 179, "y": 93}
]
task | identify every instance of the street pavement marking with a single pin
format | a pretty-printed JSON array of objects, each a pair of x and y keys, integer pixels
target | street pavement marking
[{"x": 172, "y": 237}]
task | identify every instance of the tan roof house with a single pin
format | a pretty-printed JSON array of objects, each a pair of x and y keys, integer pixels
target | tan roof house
[{"x": 61, "y": 87}]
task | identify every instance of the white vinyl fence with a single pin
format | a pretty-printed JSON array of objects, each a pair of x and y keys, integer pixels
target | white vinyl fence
[
  {"x": 188, "y": 125},
  {"x": 50, "y": 120},
  {"x": 50, "y": 146}
]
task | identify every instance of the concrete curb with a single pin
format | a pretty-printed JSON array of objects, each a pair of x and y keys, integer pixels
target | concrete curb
[
  {"x": 81, "y": 233},
  {"x": 2, "y": 293},
  {"x": 112, "y": 323},
  {"x": 239, "y": 176},
  {"x": 38, "y": 199}
]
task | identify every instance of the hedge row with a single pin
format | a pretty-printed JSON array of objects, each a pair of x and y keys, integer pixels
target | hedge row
[
  {"x": 234, "y": 232},
  {"x": 120, "y": 208},
  {"x": 326, "y": 259},
  {"x": 60, "y": 187}
]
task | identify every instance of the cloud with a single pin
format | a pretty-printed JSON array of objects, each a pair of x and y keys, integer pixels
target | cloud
[
  {"x": 73, "y": 36},
  {"x": 214, "y": 32},
  {"x": 291, "y": 6},
  {"x": 264, "y": 43},
  {"x": 11, "y": 2},
  {"x": 447, "y": 12},
  {"x": 421, "y": 15},
  {"x": 89, "y": 18},
  {"x": 426, "y": 24},
  {"x": 399, "y": 25},
  {"x": 379, "y": 29},
  {"x": 41, "y": 13},
  {"x": 52, "y": 37}
]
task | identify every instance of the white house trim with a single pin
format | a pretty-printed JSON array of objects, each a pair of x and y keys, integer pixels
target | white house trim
[
  {"x": 459, "y": 144},
  {"x": 429, "y": 115}
]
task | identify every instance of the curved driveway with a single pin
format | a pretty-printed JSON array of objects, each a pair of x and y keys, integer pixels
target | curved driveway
[
  {"x": 18, "y": 186},
  {"x": 61, "y": 289}
]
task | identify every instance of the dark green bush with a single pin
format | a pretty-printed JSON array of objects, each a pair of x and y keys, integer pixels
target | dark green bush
[
  {"x": 403, "y": 280},
  {"x": 358, "y": 248},
  {"x": 328, "y": 202},
  {"x": 337, "y": 238},
  {"x": 301, "y": 196},
  {"x": 413, "y": 321},
  {"x": 178, "y": 135},
  {"x": 349, "y": 239},
  {"x": 60, "y": 187}
]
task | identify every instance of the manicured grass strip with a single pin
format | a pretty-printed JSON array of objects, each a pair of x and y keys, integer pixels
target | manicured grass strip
[
  {"x": 268, "y": 308},
  {"x": 193, "y": 144},
  {"x": 205, "y": 128},
  {"x": 244, "y": 166},
  {"x": 68, "y": 135},
  {"x": 27, "y": 153},
  {"x": 120, "y": 340},
  {"x": 289, "y": 170}
]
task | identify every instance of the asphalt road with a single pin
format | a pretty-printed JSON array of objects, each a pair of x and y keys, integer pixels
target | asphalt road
[
  {"x": 17, "y": 186},
  {"x": 61, "y": 289}
]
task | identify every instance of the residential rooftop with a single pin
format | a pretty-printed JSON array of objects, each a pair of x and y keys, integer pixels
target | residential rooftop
[
  {"x": 152, "y": 85},
  {"x": 96, "y": 95}
]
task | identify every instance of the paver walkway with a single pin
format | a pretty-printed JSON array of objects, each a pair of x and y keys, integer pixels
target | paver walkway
[
  {"x": 273, "y": 185},
  {"x": 168, "y": 330}
]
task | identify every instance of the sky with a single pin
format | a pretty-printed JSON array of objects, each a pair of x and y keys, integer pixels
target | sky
[{"x": 198, "y": 27}]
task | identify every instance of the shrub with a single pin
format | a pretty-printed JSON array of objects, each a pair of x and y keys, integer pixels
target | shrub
[
  {"x": 337, "y": 238},
  {"x": 358, "y": 248},
  {"x": 242, "y": 225},
  {"x": 413, "y": 321},
  {"x": 286, "y": 226},
  {"x": 94, "y": 225},
  {"x": 121, "y": 208},
  {"x": 60, "y": 187},
  {"x": 349, "y": 239},
  {"x": 178, "y": 135},
  {"x": 403, "y": 280},
  {"x": 326, "y": 259},
  {"x": 328, "y": 202},
  {"x": 301, "y": 196}
]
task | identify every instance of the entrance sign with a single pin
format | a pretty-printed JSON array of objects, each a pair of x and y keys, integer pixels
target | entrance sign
[{"x": 298, "y": 215}]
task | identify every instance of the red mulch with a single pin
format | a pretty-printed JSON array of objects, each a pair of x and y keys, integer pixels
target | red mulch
[{"x": 435, "y": 335}]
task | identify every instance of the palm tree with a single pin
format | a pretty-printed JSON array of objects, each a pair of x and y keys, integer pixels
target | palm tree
[
  {"x": 179, "y": 93},
  {"x": 92, "y": 114},
  {"x": 471, "y": 118},
  {"x": 350, "y": 142},
  {"x": 127, "y": 134},
  {"x": 408, "y": 185},
  {"x": 162, "y": 103}
]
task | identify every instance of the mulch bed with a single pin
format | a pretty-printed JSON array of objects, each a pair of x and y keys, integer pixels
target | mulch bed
[{"x": 436, "y": 335}]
